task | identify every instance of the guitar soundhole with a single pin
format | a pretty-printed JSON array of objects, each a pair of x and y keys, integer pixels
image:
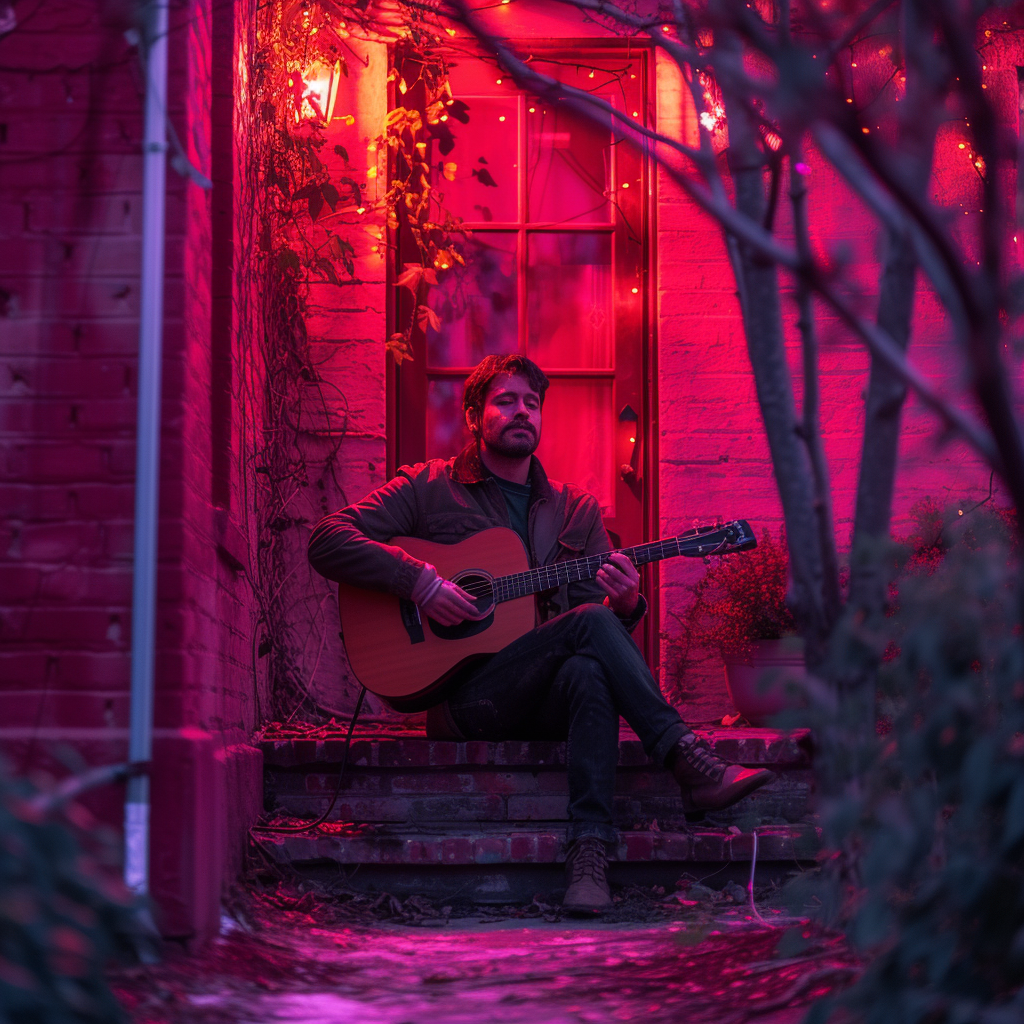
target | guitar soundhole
[{"x": 479, "y": 584}]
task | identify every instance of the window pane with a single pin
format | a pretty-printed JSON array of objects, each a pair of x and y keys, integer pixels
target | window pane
[
  {"x": 476, "y": 303},
  {"x": 568, "y": 167},
  {"x": 578, "y": 437},
  {"x": 569, "y": 290},
  {"x": 446, "y": 426},
  {"x": 486, "y": 158}
]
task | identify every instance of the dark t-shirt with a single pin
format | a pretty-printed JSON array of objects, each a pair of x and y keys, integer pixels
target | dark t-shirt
[{"x": 517, "y": 498}]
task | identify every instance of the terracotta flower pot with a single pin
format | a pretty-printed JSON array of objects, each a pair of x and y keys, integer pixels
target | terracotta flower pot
[{"x": 757, "y": 685}]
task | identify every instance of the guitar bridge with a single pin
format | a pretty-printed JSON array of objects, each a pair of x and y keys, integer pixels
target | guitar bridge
[{"x": 412, "y": 621}]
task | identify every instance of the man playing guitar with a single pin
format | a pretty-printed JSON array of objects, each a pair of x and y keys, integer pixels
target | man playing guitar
[{"x": 578, "y": 670}]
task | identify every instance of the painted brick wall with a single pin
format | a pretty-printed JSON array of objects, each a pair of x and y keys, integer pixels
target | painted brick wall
[
  {"x": 714, "y": 456},
  {"x": 70, "y": 223},
  {"x": 70, "y": 252}
]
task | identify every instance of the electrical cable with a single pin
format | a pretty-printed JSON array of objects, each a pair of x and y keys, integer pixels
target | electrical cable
[
  {"x": 310, "y": 826},
  {"x": 750, "y": 884}
]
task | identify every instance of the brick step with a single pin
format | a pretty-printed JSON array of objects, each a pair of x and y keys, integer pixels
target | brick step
[
  {"x": 394, "y": 749},
  {"x": 451, "y": 846},
  {"x": 409, "y": 778}
]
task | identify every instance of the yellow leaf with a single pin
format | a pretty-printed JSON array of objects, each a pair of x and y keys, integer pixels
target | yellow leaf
[
  {"x": 424, "y": 316},
  {"x": 399, "y": 348},
  {"x": 449, "y": 170},
  {"x": 411, "y": 278},
  {"x": 402, "y": 87}
]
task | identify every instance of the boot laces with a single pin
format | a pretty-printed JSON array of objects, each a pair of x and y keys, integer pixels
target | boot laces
[
  {"x": 588, "y": 857},
  {"x": 698, "y": 756}
]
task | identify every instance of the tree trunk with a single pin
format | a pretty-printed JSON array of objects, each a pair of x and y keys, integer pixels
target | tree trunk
[{"x": 762, "y": 322}]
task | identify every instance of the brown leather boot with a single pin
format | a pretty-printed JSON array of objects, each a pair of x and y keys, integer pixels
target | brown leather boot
[
  {"x": 586, "y": 868},
  {"x": 708, "y": 783}
]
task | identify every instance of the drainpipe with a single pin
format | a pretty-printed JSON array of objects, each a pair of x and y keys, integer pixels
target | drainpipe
[{"x": 147, "y": 455}]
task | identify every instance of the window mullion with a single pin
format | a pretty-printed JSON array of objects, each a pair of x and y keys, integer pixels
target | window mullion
[{"x": 521, "y": 255}]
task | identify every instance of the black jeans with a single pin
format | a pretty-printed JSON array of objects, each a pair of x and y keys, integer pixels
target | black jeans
[{"x": 571, "y": 679}]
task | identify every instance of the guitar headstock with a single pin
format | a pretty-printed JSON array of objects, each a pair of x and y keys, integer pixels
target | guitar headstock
[{"x": 720, "y": 539}]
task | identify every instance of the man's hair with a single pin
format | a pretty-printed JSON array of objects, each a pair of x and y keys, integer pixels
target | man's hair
[{"x": 478, "y": 382}]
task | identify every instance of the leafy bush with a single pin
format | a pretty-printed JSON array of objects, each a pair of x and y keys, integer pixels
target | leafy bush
[
  {"x": 741, "y": 598},
  {"x": 58, "y": 925},
  {"x": 925, "y": 822}
]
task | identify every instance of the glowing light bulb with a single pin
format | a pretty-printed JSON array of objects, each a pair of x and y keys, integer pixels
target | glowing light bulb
[
  {"x": 532, "y": 109},
  {"x": 497, "y": 81},
  {"x": 625, "y": 184},
  {"x": 361, "y": 209},
  {"x": 502, "y": 118},
  {"x": 635, "y": 290}
]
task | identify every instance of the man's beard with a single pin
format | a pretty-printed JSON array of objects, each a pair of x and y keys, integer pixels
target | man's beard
[{"x": 517, "y": 447}]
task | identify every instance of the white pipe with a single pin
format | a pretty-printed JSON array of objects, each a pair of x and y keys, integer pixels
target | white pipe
[{"x": 147, "y": 455}]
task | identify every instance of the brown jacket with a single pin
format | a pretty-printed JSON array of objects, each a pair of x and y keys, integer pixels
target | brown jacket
[{"x": 446, "y": 502}]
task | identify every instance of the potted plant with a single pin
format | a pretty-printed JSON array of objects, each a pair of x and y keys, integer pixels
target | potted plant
[{"x": 740, "y": 611}]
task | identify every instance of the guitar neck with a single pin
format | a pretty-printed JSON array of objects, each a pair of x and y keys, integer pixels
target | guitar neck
[{"x": 547, "y": 577}]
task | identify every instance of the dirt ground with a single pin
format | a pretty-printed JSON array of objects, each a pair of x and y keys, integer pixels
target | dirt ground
[{"x": 312, "y": 955}]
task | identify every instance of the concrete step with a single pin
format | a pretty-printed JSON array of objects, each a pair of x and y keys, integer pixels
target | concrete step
[{"x": 395, "y": 777}]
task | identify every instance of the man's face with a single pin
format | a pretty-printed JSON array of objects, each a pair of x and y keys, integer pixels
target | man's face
[{"x": 509, "y": 422}]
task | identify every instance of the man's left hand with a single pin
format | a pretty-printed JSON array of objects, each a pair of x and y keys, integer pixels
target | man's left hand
[{"x": 619, "y": 579}]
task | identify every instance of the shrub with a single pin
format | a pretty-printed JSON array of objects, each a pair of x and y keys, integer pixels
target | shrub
[
  {"x": 58, "y": 925},
  {"x": 925, "y": 824},
  {"x": 741, "y": 598}
]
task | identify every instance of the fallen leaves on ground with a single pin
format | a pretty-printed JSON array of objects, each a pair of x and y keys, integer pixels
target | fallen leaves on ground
[{"x": 693, "y": 950}]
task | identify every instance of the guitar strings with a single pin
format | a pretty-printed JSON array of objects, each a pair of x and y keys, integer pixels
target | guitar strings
[{"x": 508, "y": 585}]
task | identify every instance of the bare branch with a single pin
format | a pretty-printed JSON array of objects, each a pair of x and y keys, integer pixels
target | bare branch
[
  {"x": 627, "y": 129},
  {"x": 882, "y": 345},
  {"x": 858, "y": 26},
  {"x": 848, "y": 161},
  {"x": 811, "y": 399}
]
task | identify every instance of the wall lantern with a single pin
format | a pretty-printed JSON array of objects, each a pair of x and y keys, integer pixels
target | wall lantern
[
  {"x": 321, "y": 82},
  {"x": 629, "y": 445}
]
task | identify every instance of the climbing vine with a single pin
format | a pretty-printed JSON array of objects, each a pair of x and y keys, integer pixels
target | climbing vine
[{"x": 300, "y": 214}]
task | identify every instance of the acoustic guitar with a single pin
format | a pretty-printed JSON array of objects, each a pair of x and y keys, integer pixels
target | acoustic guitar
[{"x": 406, "y": 658}]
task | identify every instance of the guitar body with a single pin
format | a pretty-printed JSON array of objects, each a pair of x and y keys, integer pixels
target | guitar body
[{"x": 405, "y": 658}]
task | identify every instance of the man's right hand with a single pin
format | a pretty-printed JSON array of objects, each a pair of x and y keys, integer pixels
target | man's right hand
[{"x": 450, "y": 605}]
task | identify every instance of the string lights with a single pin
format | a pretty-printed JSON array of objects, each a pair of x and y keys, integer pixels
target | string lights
[{"x": 713, "y": 115}]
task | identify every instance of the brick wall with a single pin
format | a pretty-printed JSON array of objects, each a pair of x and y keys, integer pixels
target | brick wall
[
  {"x": 70, "y": 184},
  {"x": 714, "y": 458}
]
